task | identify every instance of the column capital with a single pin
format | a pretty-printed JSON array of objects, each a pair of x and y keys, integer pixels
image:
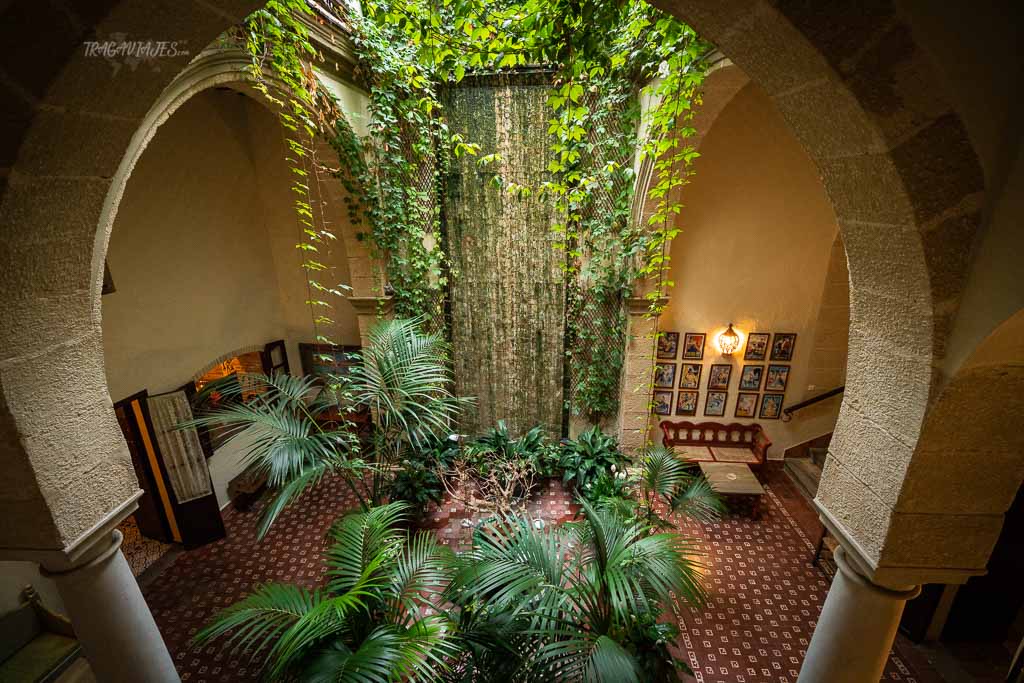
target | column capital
[
  {"x": 81, "y": 550},
  {"x": 371, "y": 305},
  {"x": 639, "y": 305},
  {"x": 897, "y": 578}
]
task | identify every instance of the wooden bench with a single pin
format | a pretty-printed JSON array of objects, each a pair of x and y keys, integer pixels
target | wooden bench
[
  {"x": 716, "y": 442},
  {"x": 36, "y": 645}
]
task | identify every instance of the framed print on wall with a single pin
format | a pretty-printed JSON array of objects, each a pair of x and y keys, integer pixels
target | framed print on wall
[
  {"x": 746, "y": 405},
  {"x": 686, "y": 403},
  {"x": 665, "y": 375},
  {"x": 693, "y": 346},
  {"x": 782, "y": 346},
  {"x": 668, "y": 345},
  {"x": 719, "y": 376},
  {"x": 714, "y": 404},
  {"x": 771, "y": 406},
  {"x": 662, "y": 402},
  {"x": 750, "y": 378},
  {"x": 757, "y": 346},
  {"x": 689, "y": 375},
  {"x": 777, "y": 378}
]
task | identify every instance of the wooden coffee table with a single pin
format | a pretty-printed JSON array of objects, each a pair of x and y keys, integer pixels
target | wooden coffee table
[{"x": 731, "y": 479}]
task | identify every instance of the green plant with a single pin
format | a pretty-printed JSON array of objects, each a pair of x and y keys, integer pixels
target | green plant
[
  {"x": 496, "y": 473},
  {"x": 402, "y": 378},
  {"x": 573, "y": 604},
  {"x": 679, "y": 485},
  {"x": 372, "y": 622},
  {"x": 584, "y": 459},
  {"x": 421, "y": 477}
]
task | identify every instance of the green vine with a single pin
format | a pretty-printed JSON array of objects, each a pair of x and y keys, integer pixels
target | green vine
[{"x": 607, "y": 57}]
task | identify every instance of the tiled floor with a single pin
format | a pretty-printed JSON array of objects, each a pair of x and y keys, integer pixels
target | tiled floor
[{"x": 766, "y": 594}]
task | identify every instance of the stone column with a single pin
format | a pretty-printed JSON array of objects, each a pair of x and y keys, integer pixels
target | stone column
[
  {"x": 369, "y": 310},
  {"x": 111, "y": 618},
  {"x": 637, "y": 366},
  {"x": 856, "y": 629}
]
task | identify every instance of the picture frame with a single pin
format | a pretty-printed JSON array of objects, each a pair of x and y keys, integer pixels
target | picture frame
[
  {"x": 783, "y": 344},
  {"x": 777, "y": 378},
  {"x": 757, "y": 346},
  {"x": 689, "y": 375},
  {"x": 662, "y": 403},
  {"x": 664, "y": 375},
  {"x": 686, "y": 402},
  {"x": 750, "y": 377},
  {"x": 719, "y": 376},
  {"x": 771, "y": 407},
  {"x": 668, "y": 345},
  {"x": 714, "y": 403},
  {"x": 693, "y": 345},
  {"x": 746, "y": 404}
]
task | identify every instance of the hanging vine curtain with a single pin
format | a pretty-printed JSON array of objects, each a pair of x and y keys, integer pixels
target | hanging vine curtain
[
  {"x": 181, "y": 450},
  {"x": 507, "y": 283}
]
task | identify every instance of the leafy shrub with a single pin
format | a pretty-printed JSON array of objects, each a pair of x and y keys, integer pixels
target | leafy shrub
[
  {"x": 587, "y": 457},
  {"x": 421, "y": 478}
]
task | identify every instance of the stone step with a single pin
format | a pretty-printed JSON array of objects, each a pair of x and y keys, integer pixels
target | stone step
[{"x": 805, "y": 474}]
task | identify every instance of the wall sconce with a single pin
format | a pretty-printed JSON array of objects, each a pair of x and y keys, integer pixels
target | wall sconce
[{"x": 729, "y": 341}]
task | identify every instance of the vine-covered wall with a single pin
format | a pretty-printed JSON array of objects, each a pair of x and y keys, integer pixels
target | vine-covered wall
[{"x": 507, "y": 280}]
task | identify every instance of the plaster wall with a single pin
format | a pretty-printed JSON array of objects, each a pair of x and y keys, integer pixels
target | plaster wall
[
  {"x": 203, "y": 255},
  {"x": 756, "y": 241}
]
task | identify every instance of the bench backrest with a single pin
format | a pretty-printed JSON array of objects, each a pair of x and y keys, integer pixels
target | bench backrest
[{"x": 736, "y": 435}]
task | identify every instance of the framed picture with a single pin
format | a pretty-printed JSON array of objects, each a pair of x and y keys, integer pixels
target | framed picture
[
  {"x": 746, "y": 405},
  {"x": 693, "y": 346},
  {"x": 782, "y": 346},
  {"x": 668, "y": 345},
  {"x": 714, "y": 404},
  {"x": 686, "y": 403},
  {"x": 662, "y": 402},
  {"x": 750, "y": 378},
  {"x": 665, "y": 375},
  {"x": 771, "y": 406},
  {"x": 777, "y": 378},
  {"x": 689, "y": 375},
  {"x": 719, "y": 376},
  {"x": 757, "y": 346}
]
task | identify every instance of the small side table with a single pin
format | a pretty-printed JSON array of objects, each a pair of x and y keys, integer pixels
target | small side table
[{"x": 734, "y": 479}]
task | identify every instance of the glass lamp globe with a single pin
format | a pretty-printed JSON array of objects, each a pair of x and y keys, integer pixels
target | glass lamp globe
[{"x": 728, "y": 342}]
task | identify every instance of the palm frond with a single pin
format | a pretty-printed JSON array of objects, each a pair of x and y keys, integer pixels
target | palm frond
[
  {"x": 258, "y": 620},
  {"x": 360, "y": 540},
  {"x": 697, "y": 500}
]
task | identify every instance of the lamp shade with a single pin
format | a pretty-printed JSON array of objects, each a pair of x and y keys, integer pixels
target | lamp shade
[{"x": 728, "y": 342}]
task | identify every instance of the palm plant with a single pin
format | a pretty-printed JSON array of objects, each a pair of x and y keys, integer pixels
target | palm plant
[
  {"x": 374, "y": 621},
  {"x": 581, "y": 603},
  {"x": 679, "y": 485},
  {"x": 403, "y": 380}
]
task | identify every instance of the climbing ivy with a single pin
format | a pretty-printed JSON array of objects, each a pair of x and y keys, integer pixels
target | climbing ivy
[
  {"x": 606, "y": 57},
  {"x": 280, "y": 64}
]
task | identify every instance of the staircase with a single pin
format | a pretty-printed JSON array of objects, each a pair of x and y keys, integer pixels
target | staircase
[{"x": 803, "y": 464}]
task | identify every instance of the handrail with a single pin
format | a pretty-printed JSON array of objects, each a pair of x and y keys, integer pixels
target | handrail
[{"x": 787, "y": 413}]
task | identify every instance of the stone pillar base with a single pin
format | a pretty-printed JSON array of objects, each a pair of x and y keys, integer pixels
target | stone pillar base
[
  {"x": 112, "y": 620},
  {"x": 856, "y": 629}
]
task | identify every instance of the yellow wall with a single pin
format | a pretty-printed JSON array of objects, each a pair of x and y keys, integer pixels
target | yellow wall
[
  {"x": 755, "y": 247},
  {"x": 202, "y": 255}
]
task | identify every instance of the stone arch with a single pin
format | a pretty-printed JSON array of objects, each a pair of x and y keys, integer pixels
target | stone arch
[
  {"x": 969, "y": 460},
  {"x": 870, "y": 110},
  {"x": 213, "y": 68},
  {"x": 848, "y": 79}
]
